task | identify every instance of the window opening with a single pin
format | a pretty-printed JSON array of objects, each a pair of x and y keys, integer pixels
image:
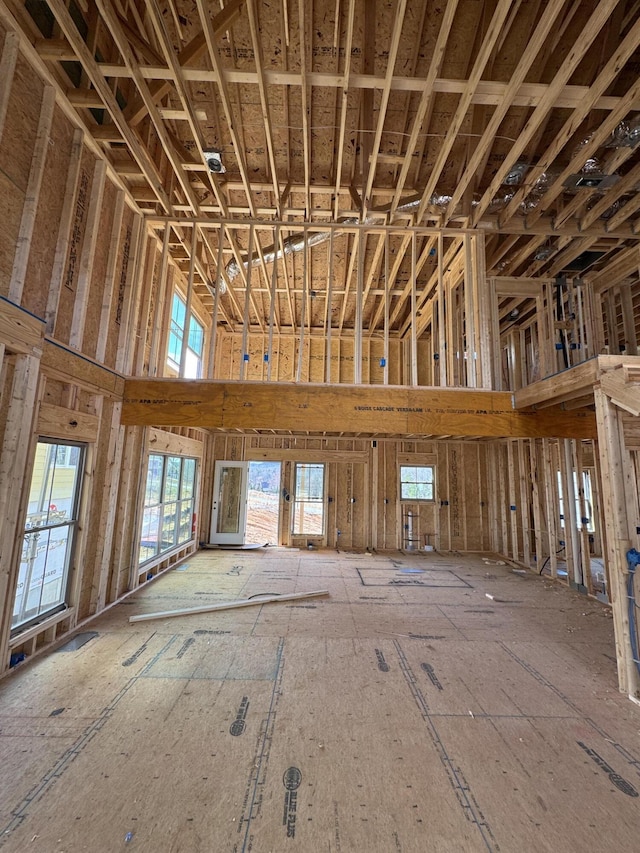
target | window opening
[
  {"x": 49, "y": 531},
  {"x": 167, "y": 514},
  {"x": 308, "y": 503},
  {"x": 416, "y": 482},
  {"x": 192, "y": 366}
]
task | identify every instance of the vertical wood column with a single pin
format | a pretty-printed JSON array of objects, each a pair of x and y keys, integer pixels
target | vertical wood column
[
  {"x": 14, "y": 479},
  {"x": 470, "y": 342},
  {"x": 620, "y": 513}
]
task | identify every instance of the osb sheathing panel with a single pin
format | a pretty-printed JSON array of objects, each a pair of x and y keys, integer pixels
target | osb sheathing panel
[
  {"x": 12, "y": 204},
  {"x": 125, "y": 258},
  {"x": 47, "y": 223},
  {"x": 148, "y": 282},
  {"x": 92, "y": 325},
  {"x": 76, "y": 241},
  {"x": 16, "y": 150},
  {"x": 21, "y": 124},
  {"x": 285, "y": 353}
]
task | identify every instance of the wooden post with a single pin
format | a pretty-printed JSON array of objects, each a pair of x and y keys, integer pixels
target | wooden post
[
  {"x": 414, "y": 320},
  {"x": 387, "y": 292},
  {"x": 329, "y": 324},
  {"x": 109, "y": 506},
  {"x": 550, "y": 486},
  {"x": 216, "y": 308},
  {"x": 620, "y": 513},
  {"x": 272, "y": 304},
  {"x": 357, "y": 327},
  {"x": 247, "y": 303},
  {"x": 303, "y": 309},
  {"x": 470, "y": 349},
  {"x": 570, "y": 516},
  {"x": 442, "y": 313},
  {"x": 14, "y": 472}
]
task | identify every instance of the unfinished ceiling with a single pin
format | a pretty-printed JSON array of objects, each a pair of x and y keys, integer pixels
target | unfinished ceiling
[{"x": 518, "y": 118}]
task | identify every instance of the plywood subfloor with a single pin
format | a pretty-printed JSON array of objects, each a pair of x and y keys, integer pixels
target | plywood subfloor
[{"x": 408, "y": 712}]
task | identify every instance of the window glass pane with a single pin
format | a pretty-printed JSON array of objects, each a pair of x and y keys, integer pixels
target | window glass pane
[
  {"x": 416, "y": 482},
  {"x": 186, "y": 521},
  {"x": 172, "y": 478},
  {"x": 168, "y": 533},
  {"x": 149, "y": 539},
  {"x": 308, "y": 505},
  {"x": 309, "y": 482},
  {"x": 188, "y": 478},
  {"x": 178, "y": 311},
  {"x": 49, "y": 529},
  {"x": 167, "y": 516},
  {"x": 153, "y": 490},
  {"x": 196, "y": 336},
  {"x": 175, "y": 346}
]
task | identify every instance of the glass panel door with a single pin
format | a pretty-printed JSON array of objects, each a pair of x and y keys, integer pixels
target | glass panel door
[{"x": 228, "y": 513}]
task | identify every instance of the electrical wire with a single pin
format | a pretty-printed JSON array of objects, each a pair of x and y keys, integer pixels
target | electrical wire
[{"x": 633, "y": 561}]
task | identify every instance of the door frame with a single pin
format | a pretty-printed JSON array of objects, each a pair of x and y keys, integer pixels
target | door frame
[{"x": 237, "y": 537}]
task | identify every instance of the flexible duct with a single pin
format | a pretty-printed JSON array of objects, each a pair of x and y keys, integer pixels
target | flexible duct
[{"x": 298, "y": 242}]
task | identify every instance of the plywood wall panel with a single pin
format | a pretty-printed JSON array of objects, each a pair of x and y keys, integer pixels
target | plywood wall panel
[
  {"x": 45, "y": 232},
  {"x": 124, "y": 260},
  {"x": 99, "y": 271},
  {"x": 62, "y": 328},
  {"x": 21, "y": 123},
  {"x": 12, "y": 203}
]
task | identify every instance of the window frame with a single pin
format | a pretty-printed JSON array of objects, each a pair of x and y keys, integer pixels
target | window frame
[
  {"x": 416, "y": 482},
  {"x": 49, "y": 523},
  {"x": 163, "y": 511},
  {"x": 305, "y": 501},
  {"x": 177, "y": 332}
]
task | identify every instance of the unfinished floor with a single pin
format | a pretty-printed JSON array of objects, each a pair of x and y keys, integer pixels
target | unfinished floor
[{"x": 432, "y": 703}]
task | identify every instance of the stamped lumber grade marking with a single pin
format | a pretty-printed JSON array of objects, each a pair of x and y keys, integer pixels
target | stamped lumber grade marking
[
  {"x": 291, "y": 781},
  {"x": 433, "y": 678},
  {"x": 461, "y": 787},
  {"x": 427, "y": 637},
  {"x": 533, "y": 672},
  {"x": 184, "y": 648},
  {"x": 383, "y": 666},
  {"x": 134, "y": 657},
  {"x": 336, "y": 827},
  {"x": 21, "y": 811},
  {"x": 239, "y": 724},
  {"x": 252, "y": 801},
  {"x": 615, "y": 778}
]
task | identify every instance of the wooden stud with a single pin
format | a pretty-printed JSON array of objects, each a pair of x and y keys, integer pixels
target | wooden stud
[{"x": 620, "y": 512}]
